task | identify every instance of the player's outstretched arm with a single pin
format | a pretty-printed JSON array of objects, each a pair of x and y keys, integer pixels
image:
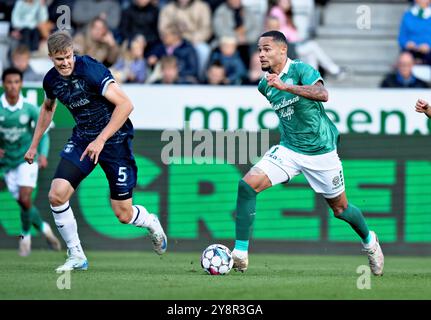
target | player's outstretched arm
[
  {"x": 45, "y": 117},
  {"x": 123, "y": 108},
  {"x": 315, "y": 92},
  {"x": 423, "y": 107}
]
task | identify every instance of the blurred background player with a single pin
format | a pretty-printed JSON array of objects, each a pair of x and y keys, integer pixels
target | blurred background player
[
  {"x": 17, "y": 119},
  {"x": 103, "y": 134},
  {"x": 308, "y": 145}
]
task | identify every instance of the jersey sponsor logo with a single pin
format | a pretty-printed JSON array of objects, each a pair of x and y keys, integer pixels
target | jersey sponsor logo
[
  {"x": 284, "y": 108},
  {"x": 68, "y": 148},
  {"x": 287, "y": 112},
  {"x": 79, "y": 103},
  {"x": 12, "y": 134},
  {"x": 284, "y": 103},
  {"x": 23, "y": 119}
]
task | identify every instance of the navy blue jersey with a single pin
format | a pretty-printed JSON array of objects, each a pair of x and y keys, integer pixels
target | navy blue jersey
[{"x": 82, "y": 93}]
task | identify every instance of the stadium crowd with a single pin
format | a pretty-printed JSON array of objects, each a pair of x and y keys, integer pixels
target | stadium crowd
[{"x": 189, "y": 41}]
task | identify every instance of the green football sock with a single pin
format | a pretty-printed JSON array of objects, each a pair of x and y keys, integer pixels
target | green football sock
[
  {"x": 245, "y": 211},
  {"x": 36, "y": 220},
  {"x": 25, "y": 221},
  {"x": 353, "y": 216}
]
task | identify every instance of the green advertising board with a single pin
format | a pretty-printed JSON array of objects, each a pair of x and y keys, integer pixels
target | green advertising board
[{"x": 388, "y": 177}]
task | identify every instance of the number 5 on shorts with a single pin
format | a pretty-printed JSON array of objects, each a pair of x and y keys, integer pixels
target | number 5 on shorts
[{"x": 122, "y": 175}]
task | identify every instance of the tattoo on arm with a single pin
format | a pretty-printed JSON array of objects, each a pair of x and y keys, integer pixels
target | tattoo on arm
[{"x": 315, "y": 92}]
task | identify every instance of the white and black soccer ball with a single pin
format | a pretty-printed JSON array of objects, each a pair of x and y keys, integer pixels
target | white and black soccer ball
[{"x": 217, "y": 259}]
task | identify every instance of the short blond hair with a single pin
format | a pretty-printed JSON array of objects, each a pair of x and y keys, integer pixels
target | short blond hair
[{"x": 59, "y": 41}]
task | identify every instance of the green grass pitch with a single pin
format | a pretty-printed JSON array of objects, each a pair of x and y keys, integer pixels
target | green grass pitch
[{"x": 144, "y": 275}]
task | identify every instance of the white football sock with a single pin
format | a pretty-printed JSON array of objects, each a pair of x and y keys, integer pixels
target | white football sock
[
  {"x": 142, "y": 218},
  {"x": 240, "y": 253},
  {"x": 67, "y": 227}
]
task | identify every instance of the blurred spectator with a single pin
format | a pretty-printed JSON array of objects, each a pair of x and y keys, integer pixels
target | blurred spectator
[
  {"x": 29, "y": 22},
  {"x": 141, "y": 18},
  {"x": 132, "y": 67},
  {"x": 214, "y": 4},
  {"x": 229, "y": 57},
  {"x": 273, "y": 23},
  {"x": 85, "y": 11},
  {"x": 6, "y": 7},
  {"x": 415, "y": 31},
  {"x": 232, "y": 19},
  {"x": 259, "y": 9},
  {"x": 169, "y": 71},
  {"x": 174, "y": 45},
  {"x": 193, "y": 18},
  {"x": 160, "y": 3},
  {"x": 21, "y": 61},
  {"x": 403, "y": 76},
  {"x": 307, "y": 50},
  {"x": 255, "y": 72},
  {"x": 216, "y": 74},
  {"x": 98, "y": 42}
]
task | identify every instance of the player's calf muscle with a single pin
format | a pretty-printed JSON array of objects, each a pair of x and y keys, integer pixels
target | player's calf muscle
[{"x": 123, "y": 210}]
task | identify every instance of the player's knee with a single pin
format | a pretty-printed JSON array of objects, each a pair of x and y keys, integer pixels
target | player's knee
[
  {"x": 338, "y": 209},
  {"x": 56, "y": 198},
  {"x": 25, "y": 201}
]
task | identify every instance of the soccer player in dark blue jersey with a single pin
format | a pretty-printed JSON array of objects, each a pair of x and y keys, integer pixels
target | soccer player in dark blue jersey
[{"x": 102, "y": 135}]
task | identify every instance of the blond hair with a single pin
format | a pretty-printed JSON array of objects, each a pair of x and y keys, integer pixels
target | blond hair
[{"x": 59, "y": 41}]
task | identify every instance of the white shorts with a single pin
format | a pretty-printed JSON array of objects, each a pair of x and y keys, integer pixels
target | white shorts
[
  {"x": 25, "y": 175},
  {"x": 323, "y": 172}
]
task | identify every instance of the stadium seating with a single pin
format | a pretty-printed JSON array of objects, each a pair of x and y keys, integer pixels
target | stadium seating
[{"x": 369, "y": 53}]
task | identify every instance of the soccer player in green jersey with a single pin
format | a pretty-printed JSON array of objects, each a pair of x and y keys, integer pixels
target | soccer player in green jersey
[
  {"x": 308, "y": 145},
  {"x": 423, "y": 107},
  {"x": 17, "y": 119}
]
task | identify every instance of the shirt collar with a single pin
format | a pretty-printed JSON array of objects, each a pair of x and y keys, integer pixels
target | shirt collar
[
  {"x": 286, "y": 67},
  {"x": 426, "y": 14},
  {"x": 14, "y": 108}
]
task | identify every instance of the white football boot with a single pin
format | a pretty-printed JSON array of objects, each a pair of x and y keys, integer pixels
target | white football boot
[
  {"x": 73, "y": 262},
  {"x": 158, "y": 236},
  {"x": 240, "y": 260},
  {"x": 52, "y": 240},
  {"x": 24, "y": 248},
  {"x": 376, "y": 258}
]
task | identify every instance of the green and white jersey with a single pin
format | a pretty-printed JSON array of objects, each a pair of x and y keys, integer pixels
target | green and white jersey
[
  {"x": 304, "y": 126},
  {"x": 16, "y": 131}
]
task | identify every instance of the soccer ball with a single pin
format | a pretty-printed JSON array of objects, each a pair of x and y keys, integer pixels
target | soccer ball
[{"x": 217, "y": 259}]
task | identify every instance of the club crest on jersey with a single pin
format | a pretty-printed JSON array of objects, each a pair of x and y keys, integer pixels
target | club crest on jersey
[
  {"x": 23, "y": 119},
  {"x": 289, "y": 81},
  {"x": 68, "y": 148}
]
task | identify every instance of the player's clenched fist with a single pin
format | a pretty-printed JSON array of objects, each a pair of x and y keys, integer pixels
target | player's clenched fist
[
  {"x": 30, "y": 154},
  {"x": 423, "y": 107},
  {"x": 274, "y": 81}
]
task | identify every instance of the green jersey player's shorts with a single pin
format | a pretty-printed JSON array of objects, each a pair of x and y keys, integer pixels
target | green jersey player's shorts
[{"x": 324, "y": 172}]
